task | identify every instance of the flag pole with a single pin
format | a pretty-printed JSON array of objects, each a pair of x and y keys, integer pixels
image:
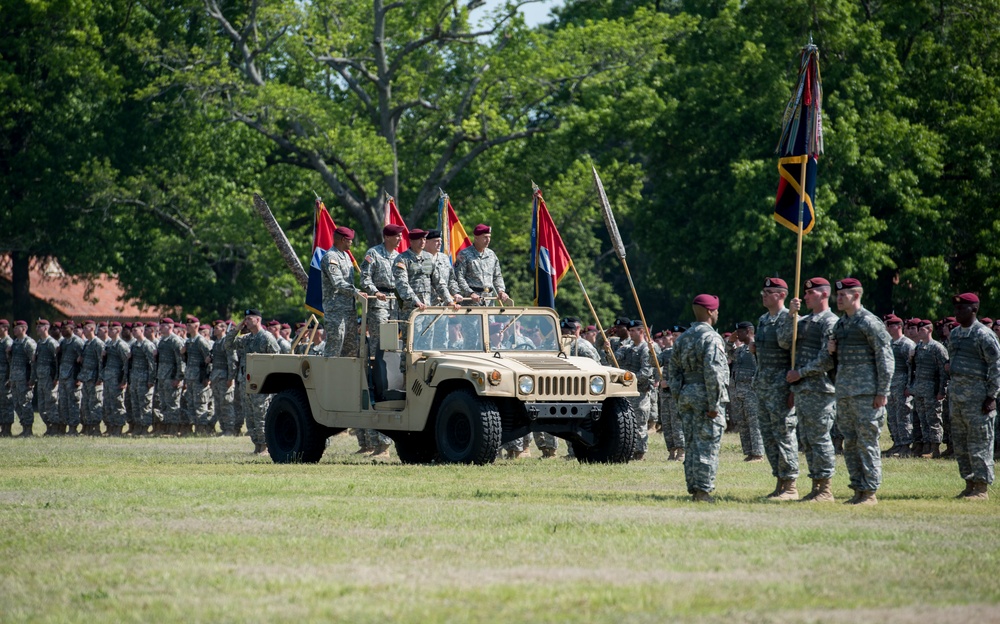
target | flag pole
[
  {"x": 597, "y": 319},
  {"x": 798, "y": 253}
]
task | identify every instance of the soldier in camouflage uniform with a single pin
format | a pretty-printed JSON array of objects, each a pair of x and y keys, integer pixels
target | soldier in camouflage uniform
[
  {"x": 70, "y": 354},
  {"x": 418, "y": 285},
  {"x": 222, "y": 380},
  {"x": 477, "y": 269},
  {"x": 975, "y": 383},
  {"x": 377, "y": 283},
  {"x": 340, "y": 311},
  {"x": 169, "y": 375},
  {"x": 256, "y": 340},
  {"x": 142, "y": 375},
  {"x": 20, "y": 354},
  {"x": 815, "y": 404},
  {"x": 115, "y": 378},
  {"x": 917, "y": 444},
  {"x": 862, "y": 350},
  {"x": 899, "y": 410},
  {"x": 45, "y": 377},
  {"x": 743, "y": 400},
  {"x": 635, "y": 356},
  {"x": 92, "y": 386},
  {"x": 443, "y": 270},
  {"x": 771, "y": 344},
  {"x": 930, "y": 361},
  {"x": 671, "y": 424},
  {"x": 996, "y": 439},
  {"x": 6, "y": 400},
  {"x": 197, "y": 354},
  {"x": 699, "y": 375}
]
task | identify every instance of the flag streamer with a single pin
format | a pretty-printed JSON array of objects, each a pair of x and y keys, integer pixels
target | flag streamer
[
  {"x": 549, "y": 258},
  {"x": 323, "y": 230},
  {"x": 392, "y": 217}
]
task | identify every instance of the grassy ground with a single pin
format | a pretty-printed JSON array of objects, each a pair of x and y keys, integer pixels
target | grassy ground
[{"x": 197, "y": 530}]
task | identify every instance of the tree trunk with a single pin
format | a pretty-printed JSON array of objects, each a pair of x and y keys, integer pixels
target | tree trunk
[{"x": 21, "y": 284}]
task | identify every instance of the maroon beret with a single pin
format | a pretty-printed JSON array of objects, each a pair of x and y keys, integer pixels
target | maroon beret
[
  {"x": 965, "y": 298},
  {"x": 167, "y": 321},
  {"x": 20, "y": 323},
  {"x": 204, "y": 327},
  {"x": 848, "y": 282},
  {"x": 273, "y": 323},
  {"x": 218, "y": 322},
  {"x": 416, "y": 234},
  {"x": 775, "y": 282},
  {"x": 709, "y": 302},
  {"x": 150, "y": 323},
  {"x": 192, "y": 319},
  {"x": 4, "y": 323},
  {"x": 299, "y": 325},
  {"x": 90, "y": 322},
  {"x": 923, "y": 323},
  {"x": 482, "y": 228},
  {"x": 345, "y": 232},
  {"x": 41, "y": 322},
  {"x": 658, "y": 334},
  {"x": 102, "y": 324},
  {"x": 392, "y": 230},
  {"x": 57, "y": 325},
  {"x": 892, "y": 319},
  {"x": 986, "y": 320},
  {"x": 115, "y": 324},
  {"x": 68, "y": 324},
  {"x": 814, "y": 282},
  {"x": 285, "y": 326},
  {"x": 590, "y": 328}
]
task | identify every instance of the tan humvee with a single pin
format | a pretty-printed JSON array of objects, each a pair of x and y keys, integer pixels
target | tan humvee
[{"x": 475, "y": 378}]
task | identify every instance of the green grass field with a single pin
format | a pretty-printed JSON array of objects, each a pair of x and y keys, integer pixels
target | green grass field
[{"x": 196, "y": 530}]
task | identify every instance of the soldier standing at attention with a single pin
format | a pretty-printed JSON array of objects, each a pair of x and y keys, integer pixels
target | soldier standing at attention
[
  {"x": 898, "y": 411},
  {"x": 975, "y": 383},
  {"x": 142, "y": 375},
  {"x": 743, "y": 401},
  {"x": 815, "y": 404},
  {"x": 377, "y": 282},
  {"x": 197, "y": 353},
  {"x": 21, "y": 352},
  {"x": 699, "y": 374},
  {"x": 671, "y": 424},
  {"x": 917, "y": 446},
  {"x": 417, "y": 283},
  {"x": 256, "y": 340},
  {"x": 222, "y": 380},
  {"x": 443, "y": 271},
  {"x": 45, "y": 377},
  {"x": 115, "y": 378},
  {"x": 477, "y": 269},
  {"x": 340, "y": 312},
  {"x": 70, "y": 350},
  {"x": 930, "y": 378},
  {"x": 770, "y": 344},
  {"x": 636, "y": 358},
  {"x": 92, "y": 387},
  {"x": 169, "y": 374},
  {"x": 6, "y": 400},
  {"x": 862, "y": 350}
]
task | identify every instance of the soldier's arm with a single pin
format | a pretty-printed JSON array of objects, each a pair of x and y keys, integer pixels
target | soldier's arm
[
  {"x": 460, "y": 266},
  {"x": 990, "y": 350},
  {"x": 716, "y": 372},
  {"x": 498, "y": 276},
  {"x": 823, "y": 362},
  {"x": 885, "y": 363},
  {"x": 336, "y": 276},
  {"x": 941, "y": 378},
  {"x": 367, "y": 283},
  {"x": 674, "y": 373},
  {"x": 401, "y": 279},
  {"x": 784, "y": 328},
  {"x": 439, "y": 283},
  {"x": 646, "y": 369}
]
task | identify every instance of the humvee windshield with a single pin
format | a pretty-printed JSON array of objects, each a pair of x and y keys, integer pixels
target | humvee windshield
[
  {"x": 524, "y": 331},
  {"x": 450, "y": 332},
  {"x": 464, "y": 332}
]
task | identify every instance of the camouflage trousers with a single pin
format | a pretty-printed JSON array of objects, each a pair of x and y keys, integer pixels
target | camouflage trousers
[
  {"x": 861, "y": 425},
  {"x": 640, "y": 406},
  {"x": 48, "y": 407},
  {"x": 373, "y": 439},
  {"x": 376, "y": 317},
  {"x": 899, "y": 414},
  {"x": 170, "y": 402},
  {"x": 972, "y": 436},
  {"x": 21, "y": 396},
  {"x": 197, "y": 403},
  {"x": 91, "y": 403},
  {"x": 702, "y": 437},
  {"x": 545, "y": 441},
  {"x": 518, "y": 444},
  {"x": 239, "y": 415},
  {"x": 816, "y": 412},
  {"x": 777, "y": 429},
  {"x": 255, "y": 410},
  {"x": 945, "y": 421},
  {"x": 341, "y": 327},
  {"x": 142, "y": 401},
  {"x": 6, "y": 404},
  {"x": 654, "y": 407},
  {"x": 222, "y": 397},
  {"x": 743, "y": 411},
  {"x": 69, "y": 403},
  {"x": 929, "y": 411},
  {"x": 113, "y": 410},
  {"x": 670, "y": 421}
]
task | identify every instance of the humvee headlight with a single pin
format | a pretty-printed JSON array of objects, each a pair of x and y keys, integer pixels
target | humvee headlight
[
  {"x": 525, "y": 383},
  {"x": 495, "y": 378},
  {"x": 596, "y": 384}
]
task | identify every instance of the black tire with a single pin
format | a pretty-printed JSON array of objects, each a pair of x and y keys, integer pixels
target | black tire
[
  {"x": 415, "y": 448},
  {"x": 467, "y": 429},
  {"x": 291, "y": 433},
  {"x": 615, "y": 433}
]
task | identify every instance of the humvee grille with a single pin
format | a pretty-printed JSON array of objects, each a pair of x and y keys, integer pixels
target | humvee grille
[{"x": 562, "y": 385}]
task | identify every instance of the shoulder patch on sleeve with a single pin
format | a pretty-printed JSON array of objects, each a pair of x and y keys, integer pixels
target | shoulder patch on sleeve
[{"x": 400, "y": 265}]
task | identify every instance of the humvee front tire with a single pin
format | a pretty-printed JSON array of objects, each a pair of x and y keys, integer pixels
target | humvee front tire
[
  {"x": 290, "y": 431},
  {"x": 467, "y": 429},
  {"x": 615, "y": 433}
]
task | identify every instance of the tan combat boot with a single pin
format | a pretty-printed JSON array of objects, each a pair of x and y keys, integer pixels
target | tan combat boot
[
  {"x": 702, "y": 497},
  {"x": 525, "y": 454},
  {"x": 935, "y": 451},
  {"x": 967, "y": 490},
  {"x": 777, "y": 488},
  {"x": 980, "y": 491},
  {"x": 680, "y": 455},
  {"x": 867, "y": 498},
  {"x": 548, "y": 453},
  {"x": 788, "y": 491},
  {"x": 812, "y": 493},
  {"x": 638, "y": 456},
  {"x": 947, "y": 452},
  {"x": 381, "y": 452},
  {"x": 673, "y": 455},
  {"x": 823, "y": 494},
  {"x": 854, "y": 499},
  {"x": 753, "y": 459},
  {"x": 26, "y": 432}
]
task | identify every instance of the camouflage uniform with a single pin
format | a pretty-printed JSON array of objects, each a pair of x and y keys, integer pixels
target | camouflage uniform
[
  {"x": 777, "y": 421},
  {"x": 197, "y": 368},
  {"x": 743, "y": 401},
  {"x": 376, "y": 277},
  {"x": 142, "y": 374},
  {"x": 929, "y": 380},
  {"x": 670, "y": 419},
  {"x": 865, "y": 365},
  {"x": 582, "y": 348},
  {"x": 92, "y": 389},
  {"x": 815, "y": 403},
  {"x": 169, "y": 368},
  {"x": 899, "y": 411},
  {"x": 340, "y": 311},
  {"x": 22, "y": 352},
  {"x": 478, "y": 273},
  {"x": 238, "y": 354},
  {"x": 699, "y": 375},
  {"x": 636, "y": 358},
  {"x": 6, "y": 400},
  {"x": 115, "y": 377},
  {"x": 284, "y": 346},
  {"x": 416, "y": 281},
  {"x": 261, "y": 342},
  {"x": 223, "y": 377},
  {"x": 70, "y": 352},
  {"x": 975, "y": 377},
  {"x": 45, "y": 376}
]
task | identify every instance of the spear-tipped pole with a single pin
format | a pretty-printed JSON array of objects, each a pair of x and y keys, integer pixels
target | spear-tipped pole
[
  {"x": 278, "y": 235},
  {"x": 619, "y": 246}
]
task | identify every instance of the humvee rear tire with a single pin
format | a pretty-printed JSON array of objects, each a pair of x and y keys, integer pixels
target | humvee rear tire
[
  {"x": 615, "y": 433},
  {"x": 415, "y": 447},
  {"x": 467, "y": 429},
  {"x": 290, "y": 431}
]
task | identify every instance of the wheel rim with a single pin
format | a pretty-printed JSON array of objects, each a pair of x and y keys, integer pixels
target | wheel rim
[{"x": 459, "y": 432}]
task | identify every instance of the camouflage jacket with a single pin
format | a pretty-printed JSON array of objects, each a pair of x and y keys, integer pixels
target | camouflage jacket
[
  {"x": 636, "y": 358},
  {"x": 261, "y": 342},
  {"x": 698, "y": 358},
  {"x": 46, "y": 364},
  {"x": 4, "y": 358},
  {"x": 70, "y": 350},
  {"x": 143, "y": 360},
  {"x": 169, "y": 361},
  {"x": 197, "y": 358},
  {"x": 810, "y": 361},
  {"x": 864, "y": 360},
  {"x": 902, "y": 351},
  {"x": 975, "y": 362},
  {"x": 22, "y": 353},
  {"x": 116, "y": 359},
  {"x": 443, "y": 272},
  {"x": 91, "y": 359},
  {"x": 478, "y": 272},
  {"x": 376, "y": 275},
  {"x": 224, "y": 362},
  {"x": 930, "y": 376}
]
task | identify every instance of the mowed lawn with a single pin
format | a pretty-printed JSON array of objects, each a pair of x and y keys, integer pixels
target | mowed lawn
[{"x": 196, "y": 530}]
